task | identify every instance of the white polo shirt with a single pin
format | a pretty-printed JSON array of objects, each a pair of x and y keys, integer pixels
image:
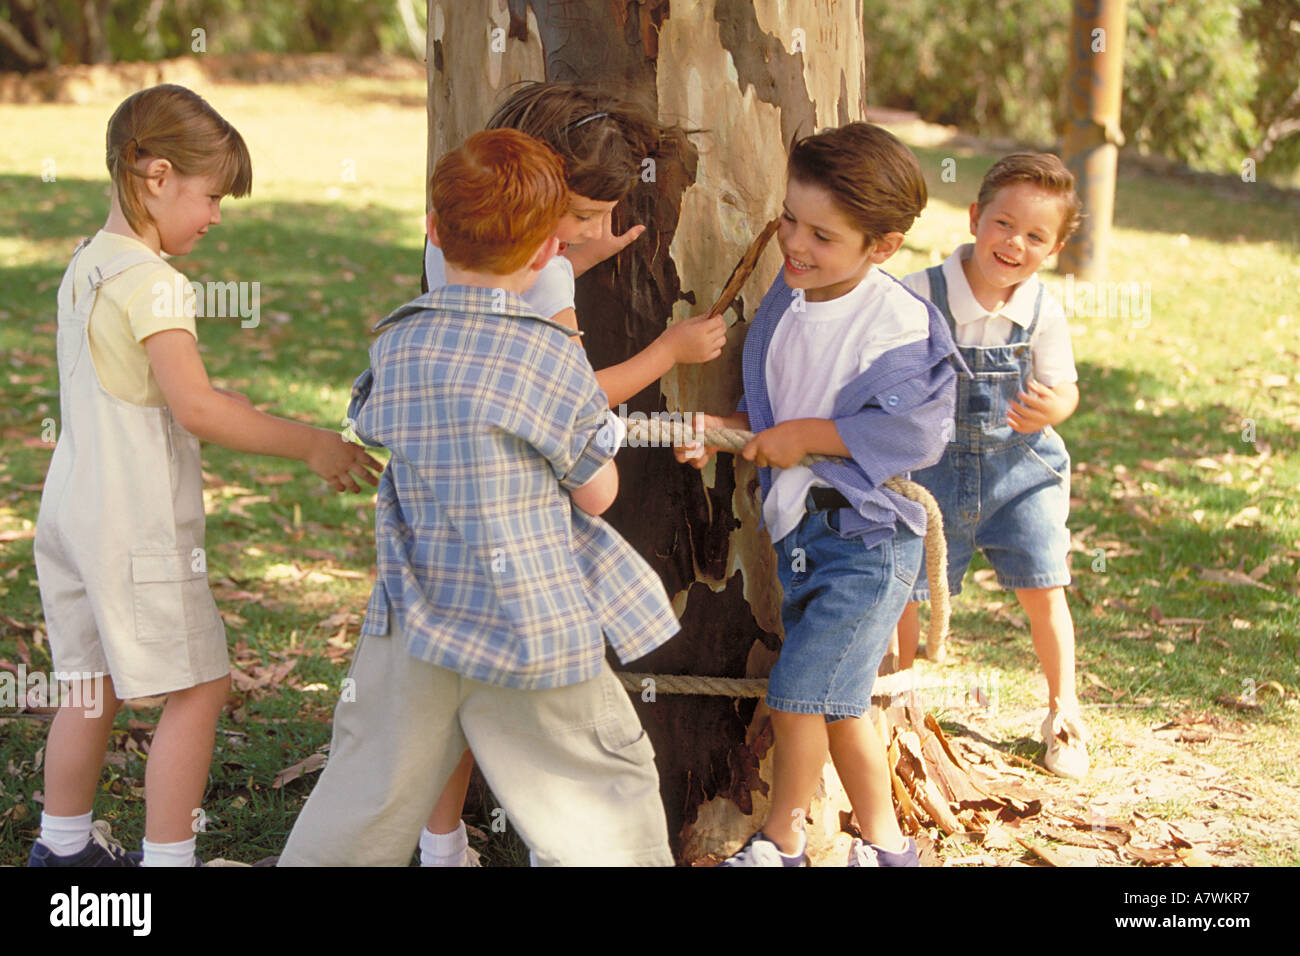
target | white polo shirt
[{"x": 1050, "y": 348}]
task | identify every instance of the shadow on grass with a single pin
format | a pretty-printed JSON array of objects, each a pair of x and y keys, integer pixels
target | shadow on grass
[{"x": 1135, "y": 486}]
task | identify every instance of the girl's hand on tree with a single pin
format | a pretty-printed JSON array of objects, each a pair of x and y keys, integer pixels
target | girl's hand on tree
[
  {"x": 597, "y": 250},
  {"x": 780, "y": 446},
  {"x": 697, "y": 339},
  {"x": 337, "y": 460},
  {"x": 1040, "y": 407}
]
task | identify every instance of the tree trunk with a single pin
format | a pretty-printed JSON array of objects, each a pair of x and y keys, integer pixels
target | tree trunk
[
  {"x": 24, "y": 35},
  {"x": 94, "y": 38},
  {"x": 1092, "y": 134},
  {"x": 752, "y": 75}
]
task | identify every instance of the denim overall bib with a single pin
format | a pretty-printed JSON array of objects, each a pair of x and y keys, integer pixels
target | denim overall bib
[
  {"x": 120, "y": 533},
  {"x": 1001, "y": 492}
]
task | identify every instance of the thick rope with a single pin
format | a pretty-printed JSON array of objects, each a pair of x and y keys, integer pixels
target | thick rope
[{"x": 660, "y": 432}]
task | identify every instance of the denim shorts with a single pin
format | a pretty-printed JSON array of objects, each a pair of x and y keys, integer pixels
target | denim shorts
[
  {"x": 842, "y": 600},
  {"x": 1011, "y": 502}
]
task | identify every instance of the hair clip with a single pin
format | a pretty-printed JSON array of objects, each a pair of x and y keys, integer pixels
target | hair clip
[{"x": 587, "y": 119}]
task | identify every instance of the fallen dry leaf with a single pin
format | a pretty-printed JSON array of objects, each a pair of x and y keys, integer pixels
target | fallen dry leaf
[
  {"x": 1195, "y": 856},
  {"x": 1153, "y": 856},
  {"x": 1248, "y": 517},
  {"x": 1230, "y": 576},
  {"x": 997, "y": 837},
  {"x": 1044, "y": 854},
  {"x": 289, "y": 774}
]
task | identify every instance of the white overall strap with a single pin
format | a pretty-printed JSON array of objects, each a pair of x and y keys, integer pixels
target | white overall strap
[
  {"x": 118, "y": 264},
  {"x": 79, "y": 302},
  {"x": 65, "y": 296}
]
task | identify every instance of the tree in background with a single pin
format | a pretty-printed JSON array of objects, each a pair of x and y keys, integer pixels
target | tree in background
[
  {"x": 1205, "y": 83},
  {"x": 38, "y": 34},
  {"x": 1274, "y": 25}
]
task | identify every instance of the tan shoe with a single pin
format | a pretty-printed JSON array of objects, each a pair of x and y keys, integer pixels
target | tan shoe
[{"x": 1066, "y": 737}]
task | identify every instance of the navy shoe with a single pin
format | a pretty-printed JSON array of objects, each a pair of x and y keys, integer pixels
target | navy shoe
[
  {"x": 102, "y": 850},
  {"x": 868, "y": 854},
  {"x": 760, "y": 851}
]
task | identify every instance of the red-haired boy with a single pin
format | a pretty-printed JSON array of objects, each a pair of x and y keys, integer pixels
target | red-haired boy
[{"x": 495, "y": 594}]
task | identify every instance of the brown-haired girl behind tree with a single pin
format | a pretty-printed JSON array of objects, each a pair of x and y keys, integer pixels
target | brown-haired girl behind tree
[
  {"x": 604, "y": 138},
  {"x": 120, "y": 535}
]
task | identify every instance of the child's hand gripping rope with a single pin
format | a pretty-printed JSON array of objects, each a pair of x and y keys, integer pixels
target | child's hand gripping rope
[{"x": 699, "y": 444}]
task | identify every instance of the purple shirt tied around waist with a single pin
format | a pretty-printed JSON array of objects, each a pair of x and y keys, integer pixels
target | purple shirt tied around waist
[{"x": 894, "y": 417}]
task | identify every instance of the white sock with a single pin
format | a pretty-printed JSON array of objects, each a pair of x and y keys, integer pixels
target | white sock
[
  {"x": 169, "y": 854},
  {"x": 65, "y": 835},
  {"x": 444, "y": 849}
]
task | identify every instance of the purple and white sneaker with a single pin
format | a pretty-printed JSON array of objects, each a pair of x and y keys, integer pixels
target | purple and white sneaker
[
  {"x": 868, "y": 854},
  {"x": 760, "y": 851}
]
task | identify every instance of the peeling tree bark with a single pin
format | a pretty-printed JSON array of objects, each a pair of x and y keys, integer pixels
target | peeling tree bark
[{"x": 752, "y": 75}]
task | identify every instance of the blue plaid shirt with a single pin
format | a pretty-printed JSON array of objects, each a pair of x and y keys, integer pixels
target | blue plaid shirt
[{"x": 492, "y": 415}]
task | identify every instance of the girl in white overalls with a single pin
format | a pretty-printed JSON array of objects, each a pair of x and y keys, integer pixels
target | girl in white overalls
[{"x": 119, "y": 540}]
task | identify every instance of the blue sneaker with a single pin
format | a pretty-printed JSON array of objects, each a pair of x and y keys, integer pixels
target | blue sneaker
[
  {"x": 868, "y": 854},
  {"x": 760, "y": 851},
  {"x": 102, "y": 850}
]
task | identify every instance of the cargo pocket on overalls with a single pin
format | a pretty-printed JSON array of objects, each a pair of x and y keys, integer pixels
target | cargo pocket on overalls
[{"x": 172, "y": 599}]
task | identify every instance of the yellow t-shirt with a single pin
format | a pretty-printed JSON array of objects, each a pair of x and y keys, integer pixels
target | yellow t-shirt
[{"x": 139, "y": 302}]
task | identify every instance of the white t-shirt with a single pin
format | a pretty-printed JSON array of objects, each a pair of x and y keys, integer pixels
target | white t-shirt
[
  {"x": 1050, "y": 348},
  {"x": 814, "y": 353},
  {"x": 552, "y": 292}
]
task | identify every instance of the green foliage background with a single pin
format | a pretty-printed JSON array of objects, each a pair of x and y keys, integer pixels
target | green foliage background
[
  {"x": 1201, "y": 80},
  {"x": 154, "y": 30}
]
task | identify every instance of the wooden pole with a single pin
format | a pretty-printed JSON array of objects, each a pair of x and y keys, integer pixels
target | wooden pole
[{"x": 1092, "y": 135}]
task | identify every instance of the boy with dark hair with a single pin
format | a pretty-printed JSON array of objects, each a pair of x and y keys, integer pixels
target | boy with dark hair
[{"x": 840, "y": 360}]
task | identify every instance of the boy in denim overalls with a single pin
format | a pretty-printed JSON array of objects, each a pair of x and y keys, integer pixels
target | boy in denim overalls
[{"x": 1004, "y": 481}]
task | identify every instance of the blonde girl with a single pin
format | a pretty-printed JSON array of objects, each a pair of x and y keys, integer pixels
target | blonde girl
[{"x": 120, "y": 534}]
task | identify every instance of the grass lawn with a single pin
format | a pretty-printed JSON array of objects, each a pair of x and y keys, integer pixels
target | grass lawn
[{"x": 1185, "y": 457}]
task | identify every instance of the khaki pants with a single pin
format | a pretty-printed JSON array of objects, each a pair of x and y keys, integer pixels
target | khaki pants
[{"x": 572, "y": 767}]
